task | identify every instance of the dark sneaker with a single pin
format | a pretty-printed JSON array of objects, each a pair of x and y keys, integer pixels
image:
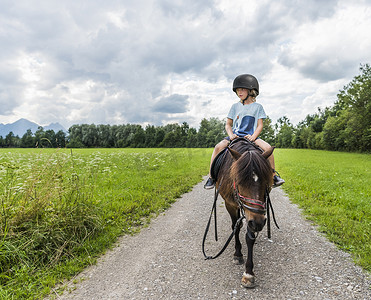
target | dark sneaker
[
  {"x": 209, "y": 184},
  {"x": 277, "y": 181}
]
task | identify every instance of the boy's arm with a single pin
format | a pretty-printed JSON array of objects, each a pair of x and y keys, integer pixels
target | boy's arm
[
  {"x": 258, "y": 130},
  {"x": 229, "y": 130}
]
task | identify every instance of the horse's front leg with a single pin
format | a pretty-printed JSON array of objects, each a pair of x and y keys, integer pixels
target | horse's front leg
[
  {"x": 237, "y": 257},
  {"x": 248, "y": 278}
]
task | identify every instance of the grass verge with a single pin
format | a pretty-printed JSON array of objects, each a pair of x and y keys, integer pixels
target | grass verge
[
  {"x": 334, "y": 190},
  {"x": 60, "y": 210}
]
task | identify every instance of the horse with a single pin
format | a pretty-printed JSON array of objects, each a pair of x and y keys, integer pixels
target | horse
[{"x": 244, "y": 180}]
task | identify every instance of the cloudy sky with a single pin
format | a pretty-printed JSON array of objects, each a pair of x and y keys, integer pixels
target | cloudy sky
[{"x": 165, "y": 61}]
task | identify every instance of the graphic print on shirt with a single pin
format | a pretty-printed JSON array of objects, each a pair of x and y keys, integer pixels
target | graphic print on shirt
[{"x": 244, "y": 126}]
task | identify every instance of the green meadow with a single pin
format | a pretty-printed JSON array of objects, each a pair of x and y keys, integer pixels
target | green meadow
[
  {"x": 61, "y": 209},
  {"x": 334, "y": 191}
]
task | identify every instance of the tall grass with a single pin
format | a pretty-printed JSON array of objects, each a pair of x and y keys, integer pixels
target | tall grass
[
  {"x": 60, "y": 209},
  {"x": 334, "y": 190}
]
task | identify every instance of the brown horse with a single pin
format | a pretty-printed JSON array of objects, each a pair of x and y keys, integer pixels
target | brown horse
[{"x": 244, "y": 180}]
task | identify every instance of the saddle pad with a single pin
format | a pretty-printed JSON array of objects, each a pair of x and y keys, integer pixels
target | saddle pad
[{"x": 217, "y": 163}]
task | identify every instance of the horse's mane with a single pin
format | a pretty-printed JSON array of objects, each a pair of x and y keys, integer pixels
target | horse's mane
[{"x": 251, "y": 162}]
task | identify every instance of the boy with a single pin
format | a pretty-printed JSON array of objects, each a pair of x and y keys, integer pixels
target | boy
[{"x": 245, "y": 119}]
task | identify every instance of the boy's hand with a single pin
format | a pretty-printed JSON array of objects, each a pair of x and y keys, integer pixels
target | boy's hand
[
  {"x": 250, "y": 138},
  {"x": 233, "y": 136}
]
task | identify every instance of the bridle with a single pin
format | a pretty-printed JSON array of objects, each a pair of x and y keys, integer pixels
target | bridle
[{"x": 247, "y": 202}]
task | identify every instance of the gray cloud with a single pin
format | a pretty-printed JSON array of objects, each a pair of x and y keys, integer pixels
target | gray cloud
[
  {"x": 173, "y": 104},
  {"x": 321, "y": 68}
]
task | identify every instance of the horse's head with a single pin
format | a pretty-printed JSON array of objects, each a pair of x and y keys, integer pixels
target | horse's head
[{"x": 252, "y": 177}]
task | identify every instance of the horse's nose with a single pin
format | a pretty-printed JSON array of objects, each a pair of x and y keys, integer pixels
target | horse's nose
[{"x": 256, "y": 226}]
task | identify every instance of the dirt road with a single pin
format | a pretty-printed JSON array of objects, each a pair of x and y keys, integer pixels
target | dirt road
[{"x": 165, "y": 261}]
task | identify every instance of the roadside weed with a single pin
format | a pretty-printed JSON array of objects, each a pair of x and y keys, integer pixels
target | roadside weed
[{"x": 59, "y": 210}]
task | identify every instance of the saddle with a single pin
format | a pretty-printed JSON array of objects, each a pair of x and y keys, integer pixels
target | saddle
[{"x": 219, "y": 159}]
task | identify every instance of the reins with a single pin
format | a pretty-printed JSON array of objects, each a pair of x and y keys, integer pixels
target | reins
[
  {"x": 251, "y": 234},
  {"x": 213, "y": 210},
  {"x": 270, "y": 208}
]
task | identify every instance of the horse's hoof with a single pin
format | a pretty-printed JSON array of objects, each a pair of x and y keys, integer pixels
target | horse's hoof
[
  {"x": 248, "y": 281},
  {"x": 238, "y": 260}
]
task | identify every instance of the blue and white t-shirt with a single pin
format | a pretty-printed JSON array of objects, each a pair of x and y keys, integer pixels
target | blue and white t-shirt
[{"x": 245, "y": 117}]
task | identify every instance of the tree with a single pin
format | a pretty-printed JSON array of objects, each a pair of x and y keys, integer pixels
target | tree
[
  {"x": 159, "y": 136},
  {"x": 173, "y": 136},
  {"x": 192, "y": 138},
  {"x": 355, "y": 98},
  {"x": 181, "y": 133},
  {"x": 10, "y": 140},
  {"x": 333, "y": 132},
  {"x": 28, "y": 140},
  {"x": 138, "y": 140},
  {"x": 285, "y": 133},
  {"x": 39, "y": 135},
  {"x": 121, "y": 136},
  {"x": 89, "y": 135},
  {"x": 211, "y": 132},
  {"x": 267, "y": 133},
  {"x": 75, "y": 137},
  {"x": 150, "y": 136},
  {"x": 301, "y": 133},
  {"x": 105, "y": 136},
  {"x": 60, "y": 139},
  {"x": 50, "y": 139},
  {"x": 169, "y": 140}
]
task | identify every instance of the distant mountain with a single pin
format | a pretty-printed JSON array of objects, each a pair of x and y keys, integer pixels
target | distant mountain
[
  {"x": 55, "y": 126},
  {"x": 21, "y": 126}
]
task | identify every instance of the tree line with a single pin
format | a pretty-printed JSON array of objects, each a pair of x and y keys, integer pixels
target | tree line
[
  {"x": 346, "y": 126},
  {"x": 122, "y": 136}
]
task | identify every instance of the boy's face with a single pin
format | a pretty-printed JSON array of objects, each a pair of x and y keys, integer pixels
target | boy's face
[{"x": 241, "y": 93}]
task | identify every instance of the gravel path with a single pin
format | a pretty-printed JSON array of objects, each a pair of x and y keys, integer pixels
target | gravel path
[{"x": 165, "y": 261}]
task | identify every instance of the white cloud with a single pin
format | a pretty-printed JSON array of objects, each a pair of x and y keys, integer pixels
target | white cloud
[
  {"x": 88, "y": 62},
  {"x": 331, "y": 48},
  {"x": 286, "y": 91}
]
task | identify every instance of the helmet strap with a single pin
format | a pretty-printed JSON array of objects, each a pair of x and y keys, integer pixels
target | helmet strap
[{"x": 249, "y": 93}]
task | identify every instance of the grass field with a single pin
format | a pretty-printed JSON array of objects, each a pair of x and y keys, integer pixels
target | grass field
[
  {"x": 334, "y": 190},
  {"x": 61, "y": 209}
]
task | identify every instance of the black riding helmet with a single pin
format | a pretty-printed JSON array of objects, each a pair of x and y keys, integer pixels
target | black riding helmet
[{"x": 246, "y": 81}]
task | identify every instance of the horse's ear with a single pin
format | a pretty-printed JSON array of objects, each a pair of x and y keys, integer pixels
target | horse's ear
[
  {"x": 236, "y": 155},
  {"x": 268, "y": 152}
]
